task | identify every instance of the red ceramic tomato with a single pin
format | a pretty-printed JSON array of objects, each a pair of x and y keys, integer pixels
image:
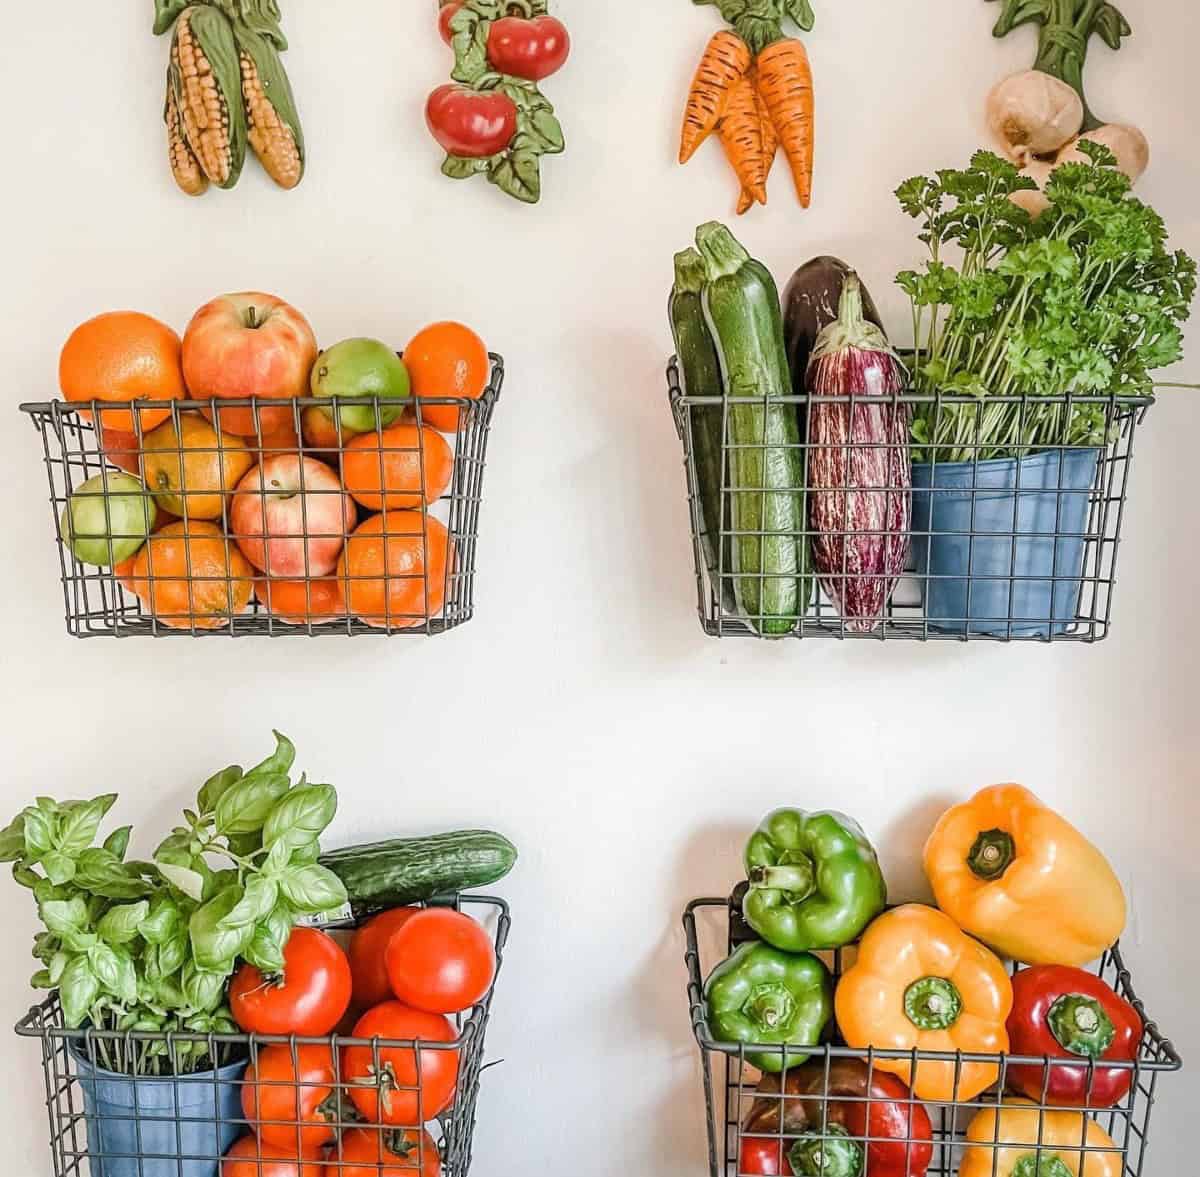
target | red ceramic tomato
[
  {"x": 308, "y": 1000},
  {"x": 763, "y": 1157},
  {"x": 370, "y": 1152},
  {"x": 445, "y": 16},
  {"x": 249, "y": 1158},
  {"x": 390, "y": 1093},
  {"x": 531, "y": 49},
  {"x": 366, "y": 952},
  {"x": 441, "y": 961},
  {"x": 471, "y": 123},
  {"x": 289, "y": 1101}
]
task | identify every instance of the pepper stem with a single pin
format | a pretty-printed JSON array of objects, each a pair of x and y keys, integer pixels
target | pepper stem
[
  {"x": 1045, "y": 1165},
  {"x": 992, "y": 854},
  {"x": 828, "y": 1154},
  {"x": 770, "y": 1006},
  {"x": 932, "y": 1003},
  {"x": 1081, "y": 1025},
  {"x": 798, "y": 878}
]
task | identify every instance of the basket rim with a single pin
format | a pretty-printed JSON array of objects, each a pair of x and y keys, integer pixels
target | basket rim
[
  {"x": 43, "y": 1020},
  {"x": 1169, "y": 1062}
]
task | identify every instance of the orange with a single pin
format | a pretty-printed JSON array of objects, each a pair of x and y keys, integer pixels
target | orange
[
  {"x": 120, "y": 357},
  {"x": 300, "y": 601},
  {"x": 384, "y": 571},
  {"x": 189, "y": 575},
  {"x": 384, "y": 470},
  {"x": 191, "y": 469},
  {"x": 283, "y": 440},
  {"x": 446, "y": 359}
]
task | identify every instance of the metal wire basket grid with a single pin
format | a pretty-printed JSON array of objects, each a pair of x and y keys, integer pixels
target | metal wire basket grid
[
  {"x": 291, "y": 524},
  {"x": 971, "y": 538},
  {"x": 187, "y": 1132},
  {"x": 749, "y": 1110}
]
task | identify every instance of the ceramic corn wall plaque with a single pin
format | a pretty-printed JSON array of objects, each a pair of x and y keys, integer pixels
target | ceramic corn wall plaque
[
  {"x": 227, "y": 88},
  {"x": 492, "y": 118}
]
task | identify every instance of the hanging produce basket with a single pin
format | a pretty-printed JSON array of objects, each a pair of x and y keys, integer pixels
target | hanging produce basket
[
  {"x": 845, "y": 1105},
  {"x": 157, "y": 1125},
  {"x": 1001, "y": 547},
  {"x": 291, "y": 524}
]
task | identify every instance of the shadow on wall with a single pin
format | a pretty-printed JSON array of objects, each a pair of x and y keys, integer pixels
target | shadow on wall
[{"x": 901, "y": 845}]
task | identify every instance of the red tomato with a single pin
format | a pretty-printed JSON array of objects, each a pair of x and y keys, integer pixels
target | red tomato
[
  {"x": 391, "y": 1094},
  {"x": 765, "y": 1157},
  {"x": 367, "y": 948},
  {"x": 531, "y": 49},
  {"x": 445, "y": 16},
  {"x": 369, "y": 1152},
  {"x": 248, "y": 1158},
  {"x": 288, "y": 1103},
  {"x": 441, "y": 961},
  {"x": 471, "y": 123},
  {"x": 308, "y": 1000}
]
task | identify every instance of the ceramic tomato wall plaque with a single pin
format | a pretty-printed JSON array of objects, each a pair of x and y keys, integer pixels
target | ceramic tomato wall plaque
[{"x": 492, "y": 118}]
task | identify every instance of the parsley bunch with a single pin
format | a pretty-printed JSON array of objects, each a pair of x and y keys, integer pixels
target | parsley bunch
[{"x": 1086, "y": 299}]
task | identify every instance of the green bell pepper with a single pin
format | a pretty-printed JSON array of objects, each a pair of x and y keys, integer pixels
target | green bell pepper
[
  {"x": 762, "y": 996},
  {"x": 814, "y": 878}
]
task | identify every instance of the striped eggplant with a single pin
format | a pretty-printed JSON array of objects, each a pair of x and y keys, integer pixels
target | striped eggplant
[{"x": 859, "y": 468}]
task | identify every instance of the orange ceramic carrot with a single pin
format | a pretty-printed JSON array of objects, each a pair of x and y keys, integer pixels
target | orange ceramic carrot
[
  {"x": 725, "y": 61},
  {"x": 741, "y": 136},
  {"x": 770, "y": 140},
  {"x": 785, "y": 83}
]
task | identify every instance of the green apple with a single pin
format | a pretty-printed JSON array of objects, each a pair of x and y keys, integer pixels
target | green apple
[
  {"x": 359, "y": 368},
  {"x": 109, "y": 509}
]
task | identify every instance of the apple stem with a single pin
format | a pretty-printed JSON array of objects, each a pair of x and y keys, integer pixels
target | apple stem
[{"x": 252, "y": 314}]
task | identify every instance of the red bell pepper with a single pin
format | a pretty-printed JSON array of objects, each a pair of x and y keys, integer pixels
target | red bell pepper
[
  {"x": 1066, "y": 1013},
  {"x": 871, "y": 1122}
]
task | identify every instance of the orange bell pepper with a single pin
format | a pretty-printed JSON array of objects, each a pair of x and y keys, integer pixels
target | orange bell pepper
[
  {"x": 1021, "y": 1139},
  {"x": 1022, "y": 879},
  {"x": 920, "y": 981}
]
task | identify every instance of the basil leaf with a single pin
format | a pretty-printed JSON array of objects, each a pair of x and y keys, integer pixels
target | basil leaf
[
  {"x": 301, "y": 816},
  {"x": 117, "y": 843},
  {"x": 103, "y": 873},
  {"x": 121, "y": 924},
  {"x": 280, "y": 761},
  {"x": 214, "y": 947},
  {"x": 245, "y": 845},
  {"x": 305, "y": 855},
  {"x": 41, "y": 980},
  {"x": 173, "y": 952},
  {"x": 217, "y": 786},
  {"x": 202, "y": 990},
  {"x": 265, "y": 950},
  {"x": 162, "y": 921},
  {"x": 78, "y": 826},
  {"x": 62, "y": 916},
  {"x": 79, "y": 941},
  {"x": 113, "y": 968},
  {"x": 256, "y": 903},
  {"x": 59, "y": 868},
  {"x": 184, "y": 879},
  {"x": 26, "y": 877},
  {"x": 78, "y": 990},
  {"x": 244, "y": 808},
  {"x": 38, "y": 833},
  {"x": 12, "y": 840},
  {"x": 312, "y": 889},
  {"x": 58, "y": 963}
]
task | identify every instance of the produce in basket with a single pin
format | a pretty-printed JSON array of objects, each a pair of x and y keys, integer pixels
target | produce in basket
[
  {"x": 107, "y": 519},
  {"x": 362, "y": 368},
  {"x": 1066, "y": 1013},
  {"x": 412, "y": 870},
  {"x": 447, "y": 359},
  {"x": 919, "y": 982},
  {"x": 377, "y": 1152},
  {"x": 1019, "y": 1139},
  {"x": 766, "y": 477},
  {"x": 859, "y": 470},
  {"x": 191, "y": 469},
  {"x": 248, "y": 1157},
  {"x": 441, "y": 961},
  {"x": 814, "y": 880},
  {"x": 763, "y": 996},
  {"x": 1021, "y": 878},
  {"x": 367, "y": 953},
  {"x": 290, "y": 1098},
  {"x": 883, "y": 1126}
]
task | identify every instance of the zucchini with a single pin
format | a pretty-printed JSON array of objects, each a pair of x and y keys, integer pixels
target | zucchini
[
  {"x": 701, "y": 370},
  {"x": 412, "y": 870},
  {"x": 766, "y": 467}
]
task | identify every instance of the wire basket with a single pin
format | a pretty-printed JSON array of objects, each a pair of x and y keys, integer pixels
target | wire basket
[
  {"x": 979, "y": 546},
  {"x": 267, "y": 517},
  {"x": 740, "y": 1116},
  {"x": 163, "y": 1127}
]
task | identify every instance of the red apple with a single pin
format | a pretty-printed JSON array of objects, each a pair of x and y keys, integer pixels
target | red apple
[
  {"x": 244, "y": 345},
  {"x": 290, "y": 516}
]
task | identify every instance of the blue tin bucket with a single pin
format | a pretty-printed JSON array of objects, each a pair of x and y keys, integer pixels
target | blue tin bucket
[
  {"x": 147, "y": 1126},
  {"x": 1027, "y": 580}
]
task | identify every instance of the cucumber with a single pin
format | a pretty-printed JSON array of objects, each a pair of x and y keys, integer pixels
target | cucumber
[
  {"x": 766, "y": 468},
  {"x": 412, "y": 870},
  {"x": 701, "y": 370}
]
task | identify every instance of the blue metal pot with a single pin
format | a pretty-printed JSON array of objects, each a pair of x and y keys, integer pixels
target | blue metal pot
[
  {"x": 1026, "y": 580},
  {"x": 149, "y": 1127}
]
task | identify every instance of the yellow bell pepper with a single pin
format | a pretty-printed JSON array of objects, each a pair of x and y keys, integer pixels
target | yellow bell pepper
[
  {"x": 1022, "y": 879},
  {"x": 921, "y": 981},
  {"x": 1022, "y": 1141}
]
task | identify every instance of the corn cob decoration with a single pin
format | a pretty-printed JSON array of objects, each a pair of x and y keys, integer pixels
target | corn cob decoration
[{"x": 226, "y": 87}]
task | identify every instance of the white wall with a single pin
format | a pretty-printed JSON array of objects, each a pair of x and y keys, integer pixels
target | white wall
[{"x": 582, "y": 712}]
